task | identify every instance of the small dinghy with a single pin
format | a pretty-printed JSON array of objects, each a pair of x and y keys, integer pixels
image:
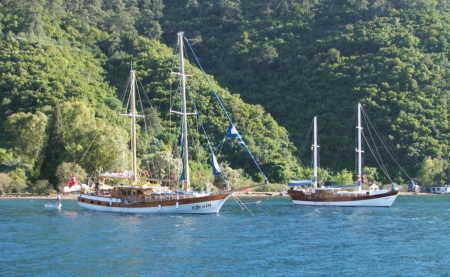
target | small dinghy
[{"x": 52, "y": 206}]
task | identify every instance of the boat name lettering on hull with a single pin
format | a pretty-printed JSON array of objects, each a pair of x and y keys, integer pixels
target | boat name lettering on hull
[{"x": 198, "y": 207}]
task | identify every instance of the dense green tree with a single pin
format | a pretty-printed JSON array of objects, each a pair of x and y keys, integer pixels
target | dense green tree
[
  {"x": 54, "y": 149},
  {"x": 27, "y": 132},
  {"x": 89, "y": 141},
  {"x": 42, "y": 187},
  {"x": 18, "y": 180},
  {"x": 5, "y": 181}
]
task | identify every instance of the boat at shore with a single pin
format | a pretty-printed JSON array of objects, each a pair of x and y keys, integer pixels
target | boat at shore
[
  {"x": 336, "y": 195},
  {"x": 152, "y": 197}
]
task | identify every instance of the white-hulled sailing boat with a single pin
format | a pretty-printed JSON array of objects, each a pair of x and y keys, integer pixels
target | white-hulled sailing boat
[
  {"x": 335, "y": 196},
  {"x": 142, "y": 199}
]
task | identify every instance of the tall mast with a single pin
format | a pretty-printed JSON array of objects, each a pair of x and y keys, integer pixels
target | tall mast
[
  {"x": 359, "y": 149},
  {"x": 184, "y": 114},
  {"x": 132, "y": 115},
  {"x": 133, "y": 124},
  {"x": 315, "y": 146}
]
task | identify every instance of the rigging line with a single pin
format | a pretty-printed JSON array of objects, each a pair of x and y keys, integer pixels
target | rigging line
[
  {"x": 209, "y": 83},
  {"x": 379, "y": 161},
  {"x": 90, "y": 145},
  {"x": 344, "y": 142},
  {"x": 197, "y": 142},
  {"x": 376, "y": 154},
  {"x": 306, "y": 141},
  {"x": 218, "y": 149},
  {"x": 125, "y": 89},
  {"x": 223, "y": 107},
  {"x": 382, "y": 142},
  {"x": 241, "y": 204},
  {"x": 300, "y": 161},
  {"x": 203, "y": 128}
]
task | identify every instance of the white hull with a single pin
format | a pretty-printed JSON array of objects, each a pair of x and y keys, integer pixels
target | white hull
[
  {"x": 386, "y": 201},
  {"x": 200, "y": 207}
]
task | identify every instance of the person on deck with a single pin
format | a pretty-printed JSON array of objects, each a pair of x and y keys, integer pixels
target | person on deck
[{"x": 97, "y": 186}]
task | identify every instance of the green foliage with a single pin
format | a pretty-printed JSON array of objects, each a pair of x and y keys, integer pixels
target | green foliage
[
  {"x": 235, "y": 177},
  {"x": 55, "y": 148},
  {"x": 344, "y": 177},
  {"x": 270, "y": 188},
  {"x": 431, "y": 170},
  {"x": 162, "y": 164},
  {"x": 281, "y": 61},
  {"x": 41, "y": 187},
  {"x": 4, "y": 155},
  {"x": 27, "y": 134},
  {"x": 5, "y": 182},
  {"x": 390, "y": 56},
  {"x": 18, "y": 180},
  {"x": 90, "y": 141},
  {"x": 373, "y": 175}
]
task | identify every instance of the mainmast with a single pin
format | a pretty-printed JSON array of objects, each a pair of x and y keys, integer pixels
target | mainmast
[
  {"x": 184, "y": 114},
  {"x": 315, "y": 146},
  {"x": 359, "y": 149},
  {"x": 133, "y": 124}
]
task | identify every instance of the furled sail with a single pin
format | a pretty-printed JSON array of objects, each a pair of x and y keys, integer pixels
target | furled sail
[
  {"x": 215, "y": 165},
  {"x": 300, "y": 183}
]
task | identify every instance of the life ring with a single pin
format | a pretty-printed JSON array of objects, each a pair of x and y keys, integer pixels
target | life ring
[
  {"x": 145, "y": 172},
  {"x": 120, "y": 173},
  {"x": 197, "y": 175},
  {"x": 172, "y": 175}
]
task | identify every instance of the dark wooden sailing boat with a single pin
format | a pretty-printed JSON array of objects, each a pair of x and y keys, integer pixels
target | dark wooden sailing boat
[{"x": 336, "y": 196}]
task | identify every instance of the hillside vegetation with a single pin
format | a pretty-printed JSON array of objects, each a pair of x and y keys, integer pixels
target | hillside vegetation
[{"x": 276, "y": 64}]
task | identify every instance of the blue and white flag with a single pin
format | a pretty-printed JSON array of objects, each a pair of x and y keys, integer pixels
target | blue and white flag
[{"x": 233, "y": 133}]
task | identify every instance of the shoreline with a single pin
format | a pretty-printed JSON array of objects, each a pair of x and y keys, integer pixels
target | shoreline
[{"x": 238, "y": 194}]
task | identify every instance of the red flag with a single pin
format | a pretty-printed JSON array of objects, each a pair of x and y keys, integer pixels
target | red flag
[{"x": 72, "y": 181}]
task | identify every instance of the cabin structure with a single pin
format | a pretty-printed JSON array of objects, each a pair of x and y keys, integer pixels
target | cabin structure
[{"x": 445, "y": 189}]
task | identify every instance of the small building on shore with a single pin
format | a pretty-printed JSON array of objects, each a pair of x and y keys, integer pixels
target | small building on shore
[{"x": 444, "y": 189}]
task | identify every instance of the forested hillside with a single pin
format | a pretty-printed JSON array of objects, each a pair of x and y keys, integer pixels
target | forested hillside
[
  {"x": 63, "y": 69},
  {"x": 300, "y": 59},
  {"x": 63, "y": 65}
]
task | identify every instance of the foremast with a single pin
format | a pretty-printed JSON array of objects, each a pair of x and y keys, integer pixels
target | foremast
[{"x": 132, "y": 115}]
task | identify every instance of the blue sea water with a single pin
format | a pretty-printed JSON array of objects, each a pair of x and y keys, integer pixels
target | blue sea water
[{"x": 409, "y": 239}]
